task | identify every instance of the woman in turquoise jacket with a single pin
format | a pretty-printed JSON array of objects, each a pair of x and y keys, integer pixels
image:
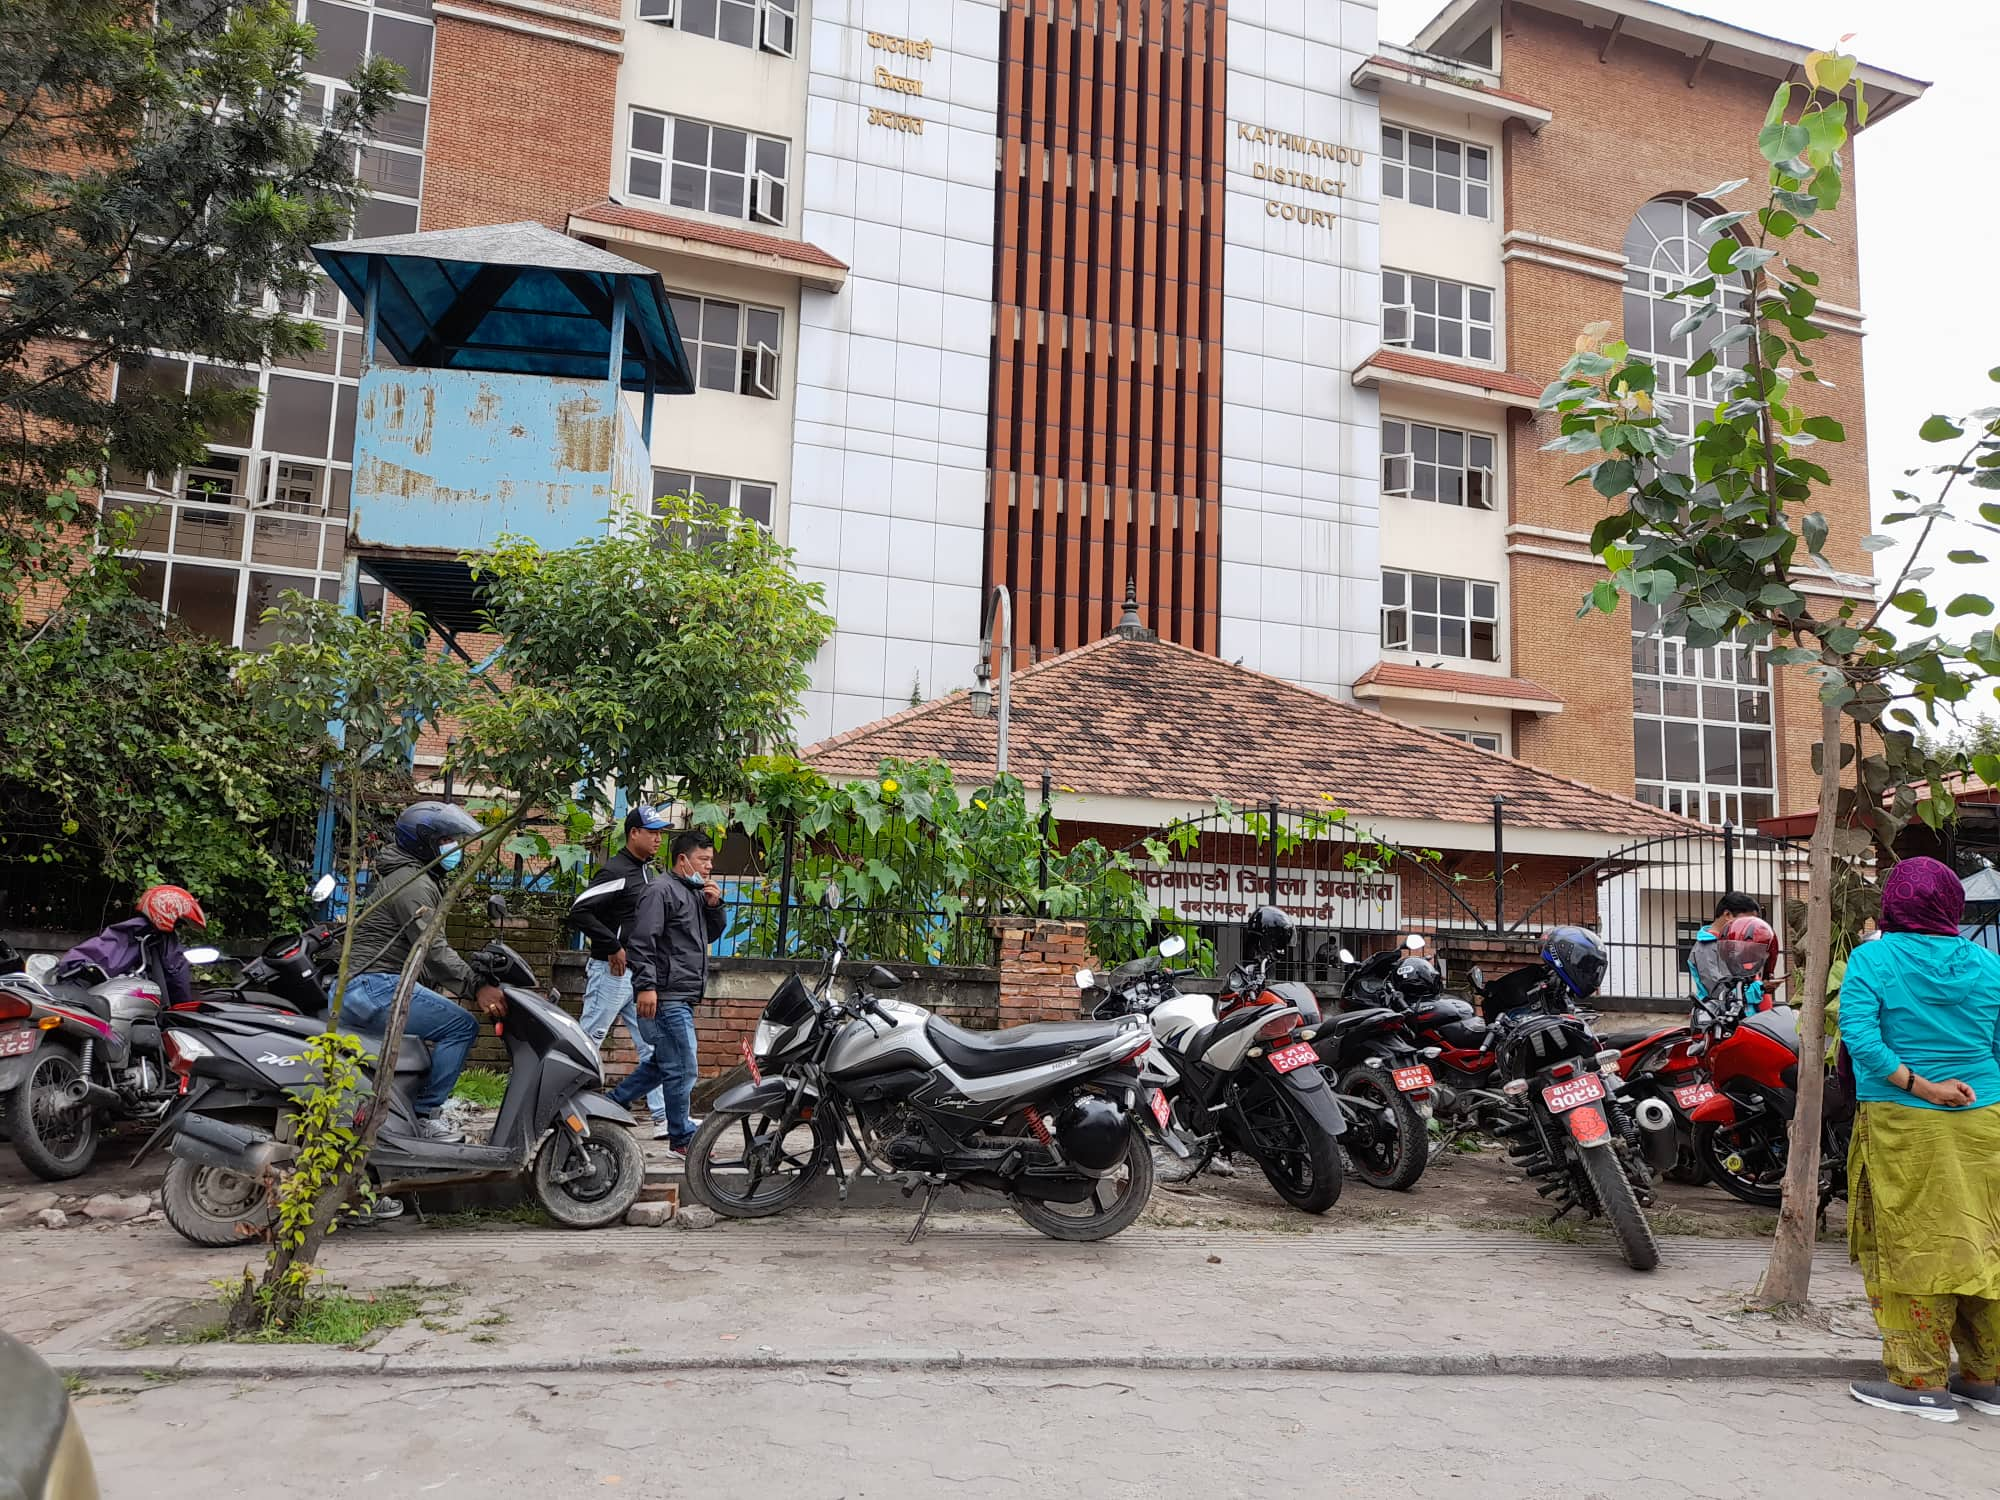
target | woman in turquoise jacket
[{"x": 1920, "y": 1014}]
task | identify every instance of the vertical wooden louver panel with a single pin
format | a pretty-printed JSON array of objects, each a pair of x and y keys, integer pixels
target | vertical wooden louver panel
[{"x": 1107, "y": 344}]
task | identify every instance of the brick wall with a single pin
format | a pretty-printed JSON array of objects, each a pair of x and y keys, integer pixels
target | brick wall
[
  {"x": 1625, "y": 130},
  {"x": 1038, "y": 960}
]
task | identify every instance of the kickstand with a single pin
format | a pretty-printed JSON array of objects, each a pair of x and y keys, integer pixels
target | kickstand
[{"x": 923, "y": 1214}]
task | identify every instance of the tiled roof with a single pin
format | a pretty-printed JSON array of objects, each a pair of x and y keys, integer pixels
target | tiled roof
[
  {"x": 1402, "y": 362},
  {"x": 1144, "y": 718},
  {"x": 1455, "y": 79},
  {"x": 648, "y": 222},
  {"x": 1398, "y": 674}
]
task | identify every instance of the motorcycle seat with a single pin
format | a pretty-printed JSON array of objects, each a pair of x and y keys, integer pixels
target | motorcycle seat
[
  {"x": 1623, "y": 1039},
  {"x": 1345, "y": 1021},
  {"x": 983, "y": 1054},
  {"x": 80, "y": 997}
]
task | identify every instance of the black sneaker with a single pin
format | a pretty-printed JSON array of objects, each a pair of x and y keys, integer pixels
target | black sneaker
[
  {"x": 1932, "y": 1406},
  {"x": 1979, "y": 1395}
]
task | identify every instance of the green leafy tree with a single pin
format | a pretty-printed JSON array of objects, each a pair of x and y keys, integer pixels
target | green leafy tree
[
  {"x": 155, "y": 166},
  {"x": 1714, "y": 531}
]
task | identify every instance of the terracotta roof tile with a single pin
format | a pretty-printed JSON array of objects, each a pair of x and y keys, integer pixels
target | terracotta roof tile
[
  {"x": 1403, "y": 362},
  {"x": 1144, "y": 718},
  {"x": 1443, "y": 680},
  {"x": 645, "y": 220}
]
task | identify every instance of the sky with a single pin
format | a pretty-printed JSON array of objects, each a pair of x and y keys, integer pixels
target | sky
[{"x": 1930, "y": 231}]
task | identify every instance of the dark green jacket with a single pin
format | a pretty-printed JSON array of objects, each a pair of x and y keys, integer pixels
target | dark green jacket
[{"x": 404, "y": 895}]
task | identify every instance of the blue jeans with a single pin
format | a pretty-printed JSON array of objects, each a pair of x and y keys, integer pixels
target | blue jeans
[
  {"x": 670, "y": 1067},
  {"x": 607, "y": 997},
  {"x": 449, "y": 1029}
]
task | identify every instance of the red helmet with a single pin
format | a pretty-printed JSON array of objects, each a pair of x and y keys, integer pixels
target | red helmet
[
  {"x": 1747, "y": 946},
  {"x": 166, "y": 906},
  {"x": 1748, "y": 929}
]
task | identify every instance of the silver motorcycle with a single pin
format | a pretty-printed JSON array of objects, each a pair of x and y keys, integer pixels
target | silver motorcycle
[{"x": 1052, "y": 1116}]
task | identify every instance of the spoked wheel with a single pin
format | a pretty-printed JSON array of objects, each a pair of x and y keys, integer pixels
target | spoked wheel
[
  {"x": 751, "y": 1166},
  {"x": 1299, "y": 1159},
  {"x": 1387, "y": 1141},
  {"x": 54, "y": 1134},
  {"x": 593, "y": 1184},
  {"x": 1745, "y": 1160},
  {"x": 1111, "y": 1204}
]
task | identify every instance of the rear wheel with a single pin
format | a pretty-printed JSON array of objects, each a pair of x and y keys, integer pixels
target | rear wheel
[
  {"x": 1387, "y": 1141},
  {"x": 1746, "y": 1160},
  {"x": 1115, "y": 1200},
  {"x": 1299, "y": 1158},
  {"x": 591, "y": 1186},
  {"x": 214, "y": 1208},
  {"x": 748, "y": 1167},
  {"x": 1614, "y": 1196},
  {"x": 55, "y": 1137}
]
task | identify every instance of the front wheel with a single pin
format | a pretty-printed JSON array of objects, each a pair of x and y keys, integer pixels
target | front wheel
[
  {"x": 755, "y": 1165},
  {"x": 214, "y": 1208},
  {"x": 1614, "y": 1196},
  {"x": 1114, "y": 1201},
  {"x": 54, "y": 1135},
  {"x": 1744, "y": 1159},
  {"x": 591, "y": 1186},
  {"x": 1387, "y": 1141},
  {"x": 1300, "y": 1159}
]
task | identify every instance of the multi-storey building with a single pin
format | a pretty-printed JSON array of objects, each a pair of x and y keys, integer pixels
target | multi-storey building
[{"x": 1224, "y": 298}]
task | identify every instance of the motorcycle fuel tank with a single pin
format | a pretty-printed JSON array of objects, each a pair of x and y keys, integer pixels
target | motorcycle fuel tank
[
  {"x": 870, "y": 1044},
  {"x": 1175, "y": 1020},
  {"x": 132, "y": 998}
]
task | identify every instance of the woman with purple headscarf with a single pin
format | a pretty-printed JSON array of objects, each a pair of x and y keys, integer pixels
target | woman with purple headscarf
[{"x": 1920, "y": 1015}]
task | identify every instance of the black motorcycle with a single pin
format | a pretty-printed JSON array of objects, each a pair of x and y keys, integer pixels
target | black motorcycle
[
  {"x": 1382, "y": 1078},
  {"x": 1052, "y": 1116}
]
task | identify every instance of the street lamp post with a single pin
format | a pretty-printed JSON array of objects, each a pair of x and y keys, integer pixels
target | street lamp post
[{"x": 982, "y": 693}]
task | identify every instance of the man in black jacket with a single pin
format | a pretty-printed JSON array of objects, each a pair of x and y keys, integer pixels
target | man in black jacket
[
  {"x": 603, "y": 915},
  {"x": 667, "y": 948}
]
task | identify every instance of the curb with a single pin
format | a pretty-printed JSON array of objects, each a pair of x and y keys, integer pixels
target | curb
[{"x": 265, "y": 1365}]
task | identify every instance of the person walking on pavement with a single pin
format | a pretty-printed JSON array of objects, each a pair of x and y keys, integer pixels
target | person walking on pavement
[
  {"x": 667, "y": 949},
  {"x": 603, "y": 915},
  {"x": 404, "y": 897},
  {"x": 1920, "y": 1015}
]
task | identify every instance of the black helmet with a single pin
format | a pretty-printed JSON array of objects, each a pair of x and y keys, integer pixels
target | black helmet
[
  {"x": 1094, "y": 1133},
  {"x": 424, "y": 828},
  {"x": 1266, "y": 931},
  {"x": 1418, "y": 978},
  {"x": 1576, "y": 957}
]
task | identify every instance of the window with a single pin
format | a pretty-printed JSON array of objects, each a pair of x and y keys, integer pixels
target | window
[
  {"x": 707, "y": 167},
  {"x": 1434, "y": 172},
  {"x": 1702, "y": 743},
  {"x": 1436, "y": 316},
  {"x": 1435, "y": 616},
  {"x": 1478, "y": 739},
  {"x": 752, "y": 498},
  {"x": 732, "y": 347},
  {"x": 1437, "y": 463},
  {"x": 767, "y": 25},
  {"x": 1665, "y": 249}
]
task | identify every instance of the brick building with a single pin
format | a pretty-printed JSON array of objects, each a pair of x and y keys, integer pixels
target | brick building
[{"x": 1229, "y": 298}]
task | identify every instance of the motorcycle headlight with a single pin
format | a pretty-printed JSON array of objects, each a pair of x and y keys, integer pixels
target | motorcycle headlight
[{"x": 766, "y": 1039}]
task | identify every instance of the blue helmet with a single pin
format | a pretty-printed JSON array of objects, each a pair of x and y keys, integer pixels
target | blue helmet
[
  {"x": 424, "y": 828},
  {"x": 1576, "y": 956}
]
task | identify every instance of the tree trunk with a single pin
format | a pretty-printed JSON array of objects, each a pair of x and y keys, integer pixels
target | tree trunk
[{"x": 1788, "y": 1277}]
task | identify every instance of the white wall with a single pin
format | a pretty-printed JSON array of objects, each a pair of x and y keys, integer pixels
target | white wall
[
  {"x": 889, "y": 464},
  {"x": 1300, "y": 580}
]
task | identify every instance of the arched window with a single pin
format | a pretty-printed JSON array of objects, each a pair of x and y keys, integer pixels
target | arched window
[
  {"x": 1702, "y": 736},
  {"x": 1665, "y": 249}
]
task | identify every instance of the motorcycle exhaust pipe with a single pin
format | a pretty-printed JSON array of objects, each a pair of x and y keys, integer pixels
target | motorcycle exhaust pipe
[
  {"x": 226, "y": 1147},
  {"x": 1657, "y": 1134}
]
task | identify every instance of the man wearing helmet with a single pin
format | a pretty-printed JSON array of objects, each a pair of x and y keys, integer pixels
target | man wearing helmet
[
  {"x": 1738, "y": 921},
  {"x": 149, "y": 941},
  {"x": 404, "y": 898}
]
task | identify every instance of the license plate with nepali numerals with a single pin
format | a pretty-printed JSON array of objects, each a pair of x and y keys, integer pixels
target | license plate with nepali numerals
[
  {"x": 1587, "y": 1089},
  {"x": 1409, "y": 1080},
  {"x": 1694, "y": 1094},
  {"x": 1162, "y": 1111},
  {"x": 1287, "y": 1059},
  {"x": 14, "y": 1043}
]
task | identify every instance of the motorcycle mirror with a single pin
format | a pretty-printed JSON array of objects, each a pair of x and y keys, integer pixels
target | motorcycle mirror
[
  {"x": 496, "y": 908},
  {"x": 1478, "y": 977},
  {"x": 1085, "y": 979},
  {"x": 200, "y": 956},
  {"x": 1346, "y": 957},
  {"x": 322, "y": 888},
  {"x": 1173, "y": 947},
  {"x": 830, "y": 898},
  {"x": 1414, "y": 943}
]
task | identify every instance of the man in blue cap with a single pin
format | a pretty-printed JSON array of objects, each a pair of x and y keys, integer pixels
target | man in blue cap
[{"x": 603, "y": 915}]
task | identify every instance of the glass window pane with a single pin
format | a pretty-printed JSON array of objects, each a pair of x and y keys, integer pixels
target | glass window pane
[
  {"x": 1683, "y": 751},
  {"x": 1392, "y": 143},
  {"x": 1482, "y": 600},
  {"x": 205, "y": 600},
  {"x": 149, "y": 580},
  {"x": 690, "y": 188},
  {"x": 691, "y": 142},
  {"x": 1424, "y": 483},
  {"x": 1718, "y": 705},
  {"x": 1424, "y": 443},
  {"x": 1451, "y": 596},
  {"x": 1396, "y": 628},
  {"x": 1423, "y": 633},
  {"x": 1752, "y": 707},
  {"x": 726, "y": 195},
  {"x": 1420, "y": 150},
  {"x": 754, "y": 500},
  {"x": 1645, "y": 696},
  {"x": 1393, "y": 289},
  {"x": 1451, "y": 486},
  {"x": 1757, "y": 768},
  {"x": 379, "y": 216},
  {"x": 1479, "y": 304},
  {"x": 216, "y": 377},
  {"x": 295, "y": 416},
  {"x": 739, "y": 24},
  {"x": 1392, "y": 588},
  {"x": 1475, "y": 163},
  {"x": 1420, "y": 189},
  {"x": 340, "y": 37},
  {"x": 713, "y": 488},
  {"x": 1450, "y": 337},
  {"x": 200, "y": 531},
  {"x": 409, "y": 44},
  {"x": 152, "y": 524},
  {"x": 1680, "y": 701},
  {"x": 1719, "y": 744},
  {"x": 1451, "y": 638},
  {"x": 728, "y": 150},
  {"x": 266, "y": 591},
  {"x": 402, "y": 123},
  {"x": 642, "y": 178},
  {"x": 1392, "y": 180},
  {"x": 1451, "y": 448},
  {"x": 1393, "y": 440},
  {"x": 1481, "y": 346},
  {"x": 670, "y": 482},
  {"x": 760, "y": 326},
  {"x": 718, "y": 367},
  {"x": 1451, "y": 299},
  {"x": 1475, "y": 200},
  {"x": 291, "y": 544},
  {"x": 771, "y": 156},
  {"x": 687, "y": 315},
  {"x": 1646, "y": 760},
  {"x": 718, "y": 322},
  {"x": 698, "y": 16},
  {"x": 1424, "y": 293},
  {"x": 649, "y": 132},
  {"x": 1447, "y": 194},
  {"x": 1424, "y": 592},
  {"x": 1447, "y": 159},
  {"x": 1480, "y": 452}
]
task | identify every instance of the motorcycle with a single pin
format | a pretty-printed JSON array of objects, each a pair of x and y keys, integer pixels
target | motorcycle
[
  {"x": 1382, "y": 1079},
  {"x": 1053, "y": 1116},
  {"x": 1245, "y": 1078},
  {"x": 1447, "y": 1033},
  {"x": 244, "y": 1073},
  {"x": 1568, "y": 1126},
  {"x": 77, "y": 1056}
]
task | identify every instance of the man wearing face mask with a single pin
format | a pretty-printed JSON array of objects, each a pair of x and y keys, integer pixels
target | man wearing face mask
[
  {"x": 667, "y": 949},
  {"x": 399, "y": 906}
]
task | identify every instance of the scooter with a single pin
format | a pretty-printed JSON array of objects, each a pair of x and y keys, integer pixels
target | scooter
[{"x": 243, "y": 1079}]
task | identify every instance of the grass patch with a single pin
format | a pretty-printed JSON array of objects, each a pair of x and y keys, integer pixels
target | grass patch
[
  {"x": 480, "y": 1086},
  {"x": 334, "y": 1316},
  {"x": 527, "y": 1212},
  {"x": 75, "y": 1384},
  {"x": 1538, "y": 1226}
]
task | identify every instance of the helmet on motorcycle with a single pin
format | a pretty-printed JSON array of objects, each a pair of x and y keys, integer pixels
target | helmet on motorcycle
[
  {"x": 424, "y": 828},
  {"x": 166, "y": 906},
  {"x": 1576, "y": 956},
  {"x": 1266, "y": 931},
  {"x": 1418, "y": 979},
  {"x": 1745, "y": 946},
  {"x": 1094, "y": 1133}
]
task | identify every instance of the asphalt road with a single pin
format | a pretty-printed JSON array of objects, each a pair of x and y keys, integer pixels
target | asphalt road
[{"x": 1103, "y": 1434}]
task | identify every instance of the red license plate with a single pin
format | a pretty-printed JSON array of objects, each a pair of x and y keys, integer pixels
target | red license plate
[
  {"x": 1587, "y": 1089},
  {"x": 1694, "y": 1094},
  {"x": 1287, "y": 1059},
  {"x": 1162, "y": 1111},
  {"x": 14, "y": 1043},
  {"x": 1409, "y": 1080}
]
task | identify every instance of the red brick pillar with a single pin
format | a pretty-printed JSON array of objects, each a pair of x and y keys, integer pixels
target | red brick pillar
[{"x": 1038, "y": 963}]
